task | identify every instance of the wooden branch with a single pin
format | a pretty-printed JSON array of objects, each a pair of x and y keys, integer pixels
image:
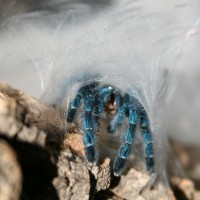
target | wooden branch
[{"x": 45, "y": 162}]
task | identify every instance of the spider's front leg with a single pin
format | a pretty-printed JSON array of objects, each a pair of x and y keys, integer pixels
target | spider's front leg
[
  {"x": 98, "y": 102},
  {"x": 89, "y": 138},
  {"x": 133, "y": 109},
  {"x": 128, "y": 137},
  {"x": 147, "y": 141},
  {"x": 85, "y": 94},
  {"x": 76, "y": 102},
  {"x": 94, "y": 100},
  {"x": 126, "y": 110}
]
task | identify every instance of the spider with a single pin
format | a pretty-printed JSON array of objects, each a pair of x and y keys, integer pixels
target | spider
[{"x": 95, "y": 100}]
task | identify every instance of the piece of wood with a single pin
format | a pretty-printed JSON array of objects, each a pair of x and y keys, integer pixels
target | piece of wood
[
  {"x": 49, "y": 163},
  {"x": 10, "y": 173}
]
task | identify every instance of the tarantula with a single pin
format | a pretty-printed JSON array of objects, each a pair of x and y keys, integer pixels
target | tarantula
[{"x": 95, "y": 99}]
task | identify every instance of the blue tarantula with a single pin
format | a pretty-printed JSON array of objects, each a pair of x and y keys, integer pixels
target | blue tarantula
[{"x": 95, "y": 100}]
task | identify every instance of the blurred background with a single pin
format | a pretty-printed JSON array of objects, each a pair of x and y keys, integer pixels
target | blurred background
[
  {"x": 184, "y": 103},
  {"x": 183, "y": 93}
]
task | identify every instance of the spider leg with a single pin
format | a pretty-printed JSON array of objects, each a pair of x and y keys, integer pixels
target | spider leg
[
  {"x": 146, "y": 134},
  {"x": 94, "y": 103},
  {"x": 87, "y": 95},
  {"x": 76, "y": 102},
  {"x": 125, "y": 149},
  {"x": 134, "y": 110},
  {"x": 89, "y": 138},
  {"x": 147, "y": 141},
  {"x": 118, "y": 120}
]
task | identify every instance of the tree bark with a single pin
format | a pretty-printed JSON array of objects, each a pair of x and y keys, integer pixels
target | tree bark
[{"x": 40, "y": 160}]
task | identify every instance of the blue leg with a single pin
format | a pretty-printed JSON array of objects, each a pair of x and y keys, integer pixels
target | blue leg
[
  {"x": 146, "y": 133},
  {"x": 88, "y": 138},
  {"x": 148, "y": 143},
  {"x": 134, "y": 110},
  {"x": 87, "y": 95},
  {"x": 90, "y": 152},
  {"x": 118, "y": 120},
  {"x": 94, "y": 104},
  {"x": 75, "y": 104},
  {"x": 148, "y": 148},
  {"x": 121, "y": 114},
  {"x": 125, "y": 149},
  {"x": 73, "y": 107}
]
